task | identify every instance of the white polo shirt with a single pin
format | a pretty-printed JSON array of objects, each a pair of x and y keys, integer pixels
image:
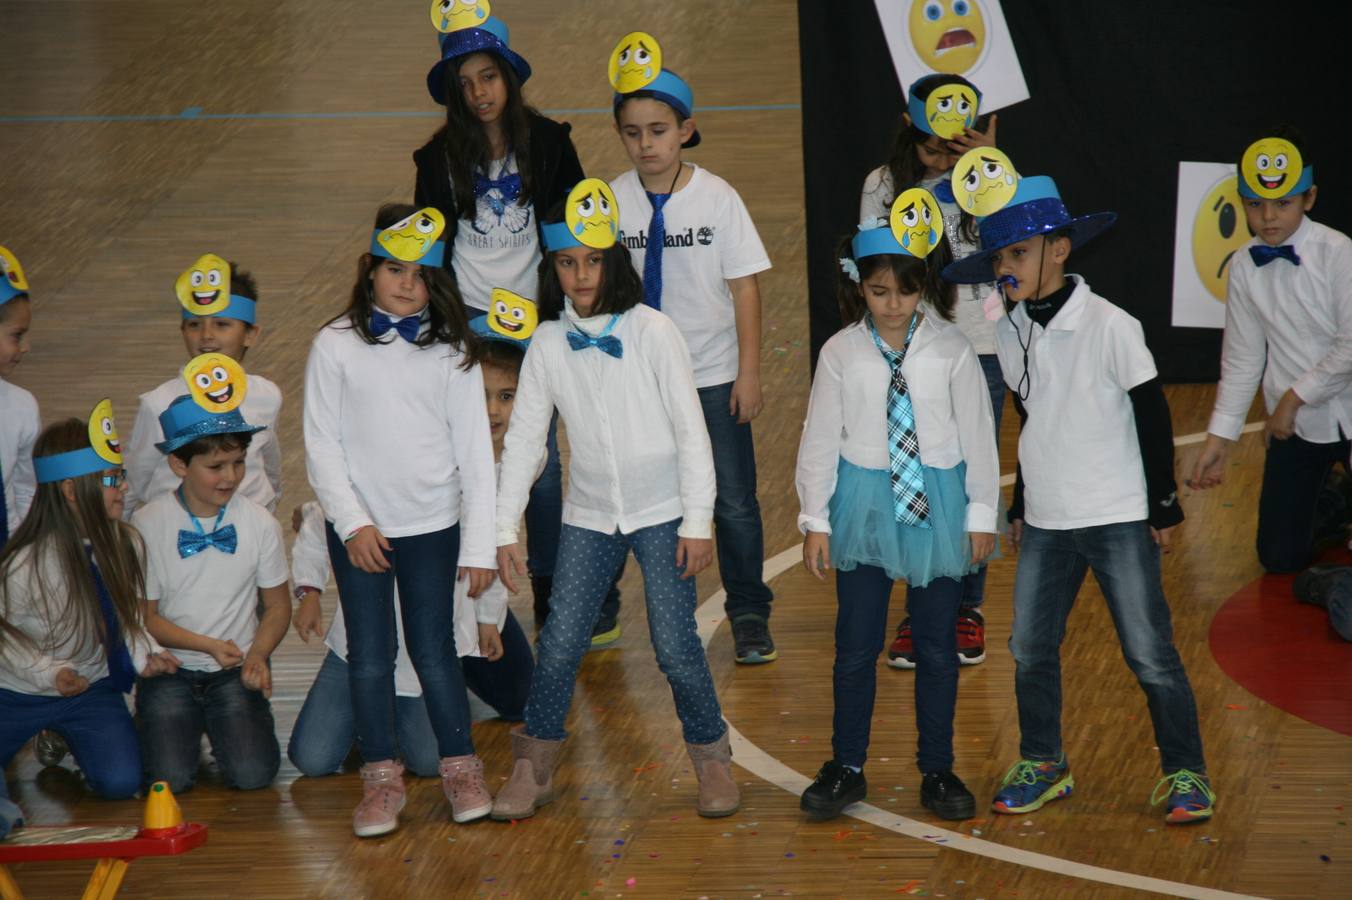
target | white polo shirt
[
  {"x": 210, "y": 592},
  {"x": 1080, "y": 455}
]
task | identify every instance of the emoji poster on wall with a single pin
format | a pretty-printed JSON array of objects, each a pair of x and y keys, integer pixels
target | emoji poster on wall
[
  {"x": 1209, "y": 226},
  {"x": 956, "y": 37}
]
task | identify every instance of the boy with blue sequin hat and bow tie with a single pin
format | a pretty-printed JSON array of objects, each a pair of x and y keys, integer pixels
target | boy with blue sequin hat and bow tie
[
  {"x": 211, "y": 554},
  {"x": 1288, "y": 326}
]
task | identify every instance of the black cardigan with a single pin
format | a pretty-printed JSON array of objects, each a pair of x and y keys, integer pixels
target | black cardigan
[{"x": 554, "y": 170}]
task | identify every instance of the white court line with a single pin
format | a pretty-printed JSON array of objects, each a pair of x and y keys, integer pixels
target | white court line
[{"x": 764, "y": 766}]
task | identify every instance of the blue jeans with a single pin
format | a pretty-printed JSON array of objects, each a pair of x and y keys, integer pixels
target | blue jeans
[
  {"x": 96, "y": 726},
  {"x": 172, "y": 712},
  {"x": 544, "y": 512},
  {"x": 738, "y": 533},
  {"x": 326, "y": 726},
  {"x": 424, "y": 565},
  {"x": 1291, "y": 517},
  {"x": 588, "y": 561},
  {"x": 1126, "y": 563},
  {"x": 862, "y": 596}
]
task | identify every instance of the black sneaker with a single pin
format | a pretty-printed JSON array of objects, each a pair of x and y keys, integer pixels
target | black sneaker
[
  {"x": 751, "y": 638},
  {"x": 945, "y": 793},
  {"x": 836, "y": 787},
  {"x": 1312, "y": 585}
]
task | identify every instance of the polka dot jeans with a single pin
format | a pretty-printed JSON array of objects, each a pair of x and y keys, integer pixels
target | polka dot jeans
[{"x": 587, "y": 564}]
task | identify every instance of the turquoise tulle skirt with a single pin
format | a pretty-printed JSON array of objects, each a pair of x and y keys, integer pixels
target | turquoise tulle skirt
[{"x": 865, "y": 531}]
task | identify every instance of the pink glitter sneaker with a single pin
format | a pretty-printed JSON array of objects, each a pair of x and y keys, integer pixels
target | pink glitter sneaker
[
  {"x": 382, "y": 798},
  {"x": 462, "y": 778}
]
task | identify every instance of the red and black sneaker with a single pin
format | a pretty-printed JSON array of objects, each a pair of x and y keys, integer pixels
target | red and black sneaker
[
  {"x": 901, "y": 655},
  {"x": 971, "y": 636}
]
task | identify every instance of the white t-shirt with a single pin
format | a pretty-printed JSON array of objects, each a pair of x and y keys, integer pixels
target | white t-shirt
[
  {"x": 19, "y": 427},
  {"x": 1079, "y": 452},
  {"x": 148, "y": 472},
  {"x": 210, "y": 592},
  {"x": 497, "y": 247},
  {"x": 710, "y": 239}
]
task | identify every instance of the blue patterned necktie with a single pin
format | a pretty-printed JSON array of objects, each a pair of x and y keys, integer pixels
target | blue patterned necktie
[
  {"x": 4, "y": 508},
  {"x": 120, "y": 670},
  {"x": 652, "y": 260},
  {"x": 605, "y": 341},
  {"x": 193, "y": 542},
  {"x": 909, "y": 502},
  {"x": 408, "y": 327},
  {"x": 1263, "y": 254}
]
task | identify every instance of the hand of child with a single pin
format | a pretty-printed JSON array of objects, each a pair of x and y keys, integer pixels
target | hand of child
[
  {"x": 694, "y": 555},
  {"x": 257, "y": 676},
  {"x": 1164, "y": 537},
  {"x": 490, "y": 641},
  {"x": 971, "y": 138},
  {"x": 364, "y": 550},
  {"x": 747, "y": 401},
  {"x": 1016, "y": 534},
  {"x": 297, "y": 517},
  {"x": 69, "y": 682},
  {"x": 983, "y": 545},
  {"x": 510, "y": 563},
  {"x": 817, "y": 553},
  {"x": 1209, "y": 469},
  {"x": 479, "y": 579},
  {"x": 309, "y": 620},
  {"x": 1282, "y": 423},
  {"x": 227, "y": 654},
  {"x": 162, "y": 663}
]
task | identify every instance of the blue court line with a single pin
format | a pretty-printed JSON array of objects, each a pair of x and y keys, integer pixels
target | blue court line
[{"x": 195, "y": 113}]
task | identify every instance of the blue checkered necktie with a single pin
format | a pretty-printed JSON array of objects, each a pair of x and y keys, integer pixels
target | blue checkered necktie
[
  {"x": 121, "y": 672},
  {"x": 903, "y": 446},
  {"x": 652, "y": 260},
  {"x": 4, "y": 507}
]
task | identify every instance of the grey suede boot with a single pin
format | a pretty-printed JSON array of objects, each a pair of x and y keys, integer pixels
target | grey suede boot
[
  {"x": 718, "y": 794},
  {"x": 532, "y": 783}
]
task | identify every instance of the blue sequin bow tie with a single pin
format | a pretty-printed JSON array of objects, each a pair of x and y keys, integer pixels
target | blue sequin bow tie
[
  {"x": 408, "y": 327},
  {"x": 191, "y": 543},
  {"x": 605, "y": 341},
  {"x": 1263, "y": 254},
  {"x": 509, "y": 186}
]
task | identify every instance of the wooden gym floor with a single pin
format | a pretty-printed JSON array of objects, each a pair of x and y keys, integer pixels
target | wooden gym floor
[{"x": 137, "y": 135}]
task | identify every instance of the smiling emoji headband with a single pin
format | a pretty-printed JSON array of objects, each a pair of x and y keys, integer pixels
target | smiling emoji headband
[
  {"x": 104, "y": 450},
  {"x": 217, "y": 387},
  {"x": 204, "y": 290},
  {"x": 1272, "y": 168},
  {"x": 511, "y": 319},
  {"x": 13, "y": 282}
]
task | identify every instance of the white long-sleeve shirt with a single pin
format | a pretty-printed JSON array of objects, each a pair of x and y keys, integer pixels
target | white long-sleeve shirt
[
  {"x": 19, "y": 427},
  {"x": 397, "y": 436},
  {"x": 148, "y": 472},
  {"x": 1291, "y": 327},
  {"x": 640, "y": 452},
  {"x": 25, "y": 669},
  {"x": 847, "y": 416}
]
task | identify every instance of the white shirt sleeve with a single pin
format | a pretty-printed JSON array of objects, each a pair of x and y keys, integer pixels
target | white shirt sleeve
[
  {"x": 873, "y": 199},
  {"x": 141, "y": 458},
  {"x": 491, "y": 607},
  {"x": 976, "y": 435},
  {"x": 527, "y": 433},
  {"x": 472, "y": 442},
  {"x": 1243, "y": 356},
  {"x": 272, "y": 568},
  {"x": 819, "y": 448},
  {"x": 325, "y": 461},
  {"x": 694, "y": 454},
  {"x": 743, "y": 252},
  {"x": 23, "y": 480},
  {"x": 309, "y": 551},
  {"x": 144, "y": 522},
  {"x": 1332, "y": 374},
  {"x": 1129, "y": 358},
  {"x": 272, "y": 458}
]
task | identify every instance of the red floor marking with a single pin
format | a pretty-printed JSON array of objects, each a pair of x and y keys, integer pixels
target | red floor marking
[{"x": 1285, "y": 652}]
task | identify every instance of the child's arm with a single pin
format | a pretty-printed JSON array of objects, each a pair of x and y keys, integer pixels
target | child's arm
[
  {"x": 272, "y": 627},
  {"x": 141, "y": 458},
  {"x": 309, "y": 568},
  {"x": 746, "y": 402},
  {"x": 272, "y": 458},
  {"x": 226, "y": 653},
  {"x": 819, "y": 446},
  {"x": 522, "y": 449},
  {"x": 472, "y": 443},
  {"x": 1155, "y": 434},
  {"x": 666, "y": 349},
  {"x": 1243, "y": 358},
  {"x": 325, "y": 461},
  {"x": 22, "y": 477},
  {"x": 1332, "y": 374},
  {"x": 976, "y": 435}
]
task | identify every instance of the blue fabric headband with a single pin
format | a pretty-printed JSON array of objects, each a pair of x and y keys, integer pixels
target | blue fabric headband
[
  {"x": 433, "y": 256},
  {"x": 72, "y": 464},
  {"x": 241, "y": 308},
  {"x": 877, "y": 242},
  {"x": 558, "y": 236},
  {"x": 1303, "y": 184},
  {"x": 8, "y": 291},
  {"x": 672, "y": 90}
]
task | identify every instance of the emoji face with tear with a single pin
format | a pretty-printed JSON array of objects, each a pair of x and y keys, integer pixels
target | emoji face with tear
[
  {"x": 216, "y": 382},
  {"x": 635, "y": 62},
  {"x": 950, "y": 110},
  {"x": 453, "y": 15},
  {"x": 1271, "y": 167},
  {"x": 948, "y": 35},
  {"x": 916, "y": 222},
  {"x": 103, "y": 433},
  {"x": 984, "y": 180},
  {"x": 410, "y": 238},
  {"x": 511, "y": 315},
  {"x": 11, "y": 271},
  {"x": 592, "y": 214},
  {"x": 204, "y": 287},
  {"x": 1218, "y": 230}
]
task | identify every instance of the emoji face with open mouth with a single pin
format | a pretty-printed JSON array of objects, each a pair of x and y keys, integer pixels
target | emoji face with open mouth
[
  {"x": 592, "y": 214},
  {"x": 1271, "y": 167},
  {"x": 204, "y": 287},
  {"x": 11, "y": 271},
  {"x": 453, "y": 15},
  {"x": 103, "y": 433},
  {"x": 916, "y": 222},
  {"x": 512, "y": 315},
  {"x": 216, "y": 382},
  {"x": 948, "y": 35},
  {"x": 950, "y": 110},
  {"x": 635, "y": 62},
  {"x": 984, "y": 180},
  {"x": 1218, "y": 230},
  {"x": 410, "y": 238}
]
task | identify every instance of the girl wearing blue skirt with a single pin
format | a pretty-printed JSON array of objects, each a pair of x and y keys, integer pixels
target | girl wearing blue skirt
[{"x": 898, "y": 479}]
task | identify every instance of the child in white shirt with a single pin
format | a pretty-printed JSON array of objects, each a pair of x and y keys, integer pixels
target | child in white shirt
[{"x": 19, "y": 421}]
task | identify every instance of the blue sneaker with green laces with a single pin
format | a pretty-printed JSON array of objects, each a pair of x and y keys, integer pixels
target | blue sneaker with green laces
[
  {"x": 1030, "y": 785},
  {"x": 1188, "y": 794}
]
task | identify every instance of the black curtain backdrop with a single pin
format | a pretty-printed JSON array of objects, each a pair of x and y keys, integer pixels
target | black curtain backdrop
[{"x": 1120, "y": 94}]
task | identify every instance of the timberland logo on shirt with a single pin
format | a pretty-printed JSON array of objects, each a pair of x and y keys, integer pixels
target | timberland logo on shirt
[{"x": 640, "y": 240}]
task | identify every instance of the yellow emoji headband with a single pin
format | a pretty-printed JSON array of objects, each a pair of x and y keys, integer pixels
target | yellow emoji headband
[
  {"x": 217, "y": 387},
  {"x": 510, "y": 319},
  {"x": 591, "y": 218},
  {"x": 13, "y": 282},
  {"x": 914, "y": 228},
  {"x": 453, "y": 15},
  {"x": 104, "y": 450},
  {"x": 413, "y": 239},
  {"x": 1272, "y": 168},
  {"x": 204, "y": 290}
]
